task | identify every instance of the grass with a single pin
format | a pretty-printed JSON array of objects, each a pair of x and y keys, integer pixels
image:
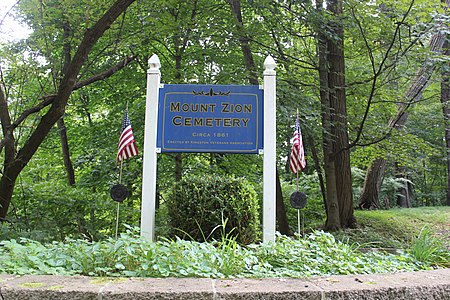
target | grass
[
  {"x": 396, "y": 228},
  {"x": 423, "y": 234},
  {"x": 429, "y": 249}
]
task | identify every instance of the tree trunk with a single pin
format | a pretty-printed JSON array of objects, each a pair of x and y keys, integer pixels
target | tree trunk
[
  {"x": 404, "y": 193},
  {"x": 369, "y": 197},
  {"x": 180, "y": 44},
  {"x": 8, "y": 174},
  {"x": 67, "y": 33},
  {"x": 338, "y": 100},
  {"x": 243, "y": 38},
  {"x": 178, "y": 167},
  {"x": 65, "y": 152},
  {"x": 15, "y": 164},
  {"x": 372, "y": 183},
  {"x": 332, "y": 222},
  {"x": 244, "y": 41},
  {"x": 332, "y": 207},
  {"x": 7, "y": 183},
  {"x": 445, "y": 98},
  {"x": 312, "y": 146},
  {"x": 282, "y": 221},
  {"x": 334, "y": 121},
  {"x": 178, "y": 156}
]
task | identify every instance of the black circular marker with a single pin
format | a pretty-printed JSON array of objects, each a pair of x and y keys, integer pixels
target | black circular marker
[
  {"x": 119, "y": 192},
  {"x": 298, "y": 200}
]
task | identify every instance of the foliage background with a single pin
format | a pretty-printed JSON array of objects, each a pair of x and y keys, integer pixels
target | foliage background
[{"x": 198, "y": 42}]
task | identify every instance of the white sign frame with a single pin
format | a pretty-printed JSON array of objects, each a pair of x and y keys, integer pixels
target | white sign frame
[{"x": 148, "y": 205}]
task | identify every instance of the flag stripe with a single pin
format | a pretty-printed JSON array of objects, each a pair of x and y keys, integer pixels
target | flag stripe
[
  {"x": 297, "y": 161},
  {"x": 127, "y": 146}
]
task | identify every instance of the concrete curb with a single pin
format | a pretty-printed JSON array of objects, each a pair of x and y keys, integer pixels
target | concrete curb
[{"x": 424, "y": 285}]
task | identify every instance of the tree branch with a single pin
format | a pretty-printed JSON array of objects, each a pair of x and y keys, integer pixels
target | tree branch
[
  {"x": 106, "y": 74},
  {"x": 47, "y": 100},
  {"x": 376, "y": 72},
  {"x": 57, "y": 109}
]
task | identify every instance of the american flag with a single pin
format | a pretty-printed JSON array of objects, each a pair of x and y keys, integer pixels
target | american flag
[
  {"x": 127, "y": 145},
  {"x": 297, "y": 161}
]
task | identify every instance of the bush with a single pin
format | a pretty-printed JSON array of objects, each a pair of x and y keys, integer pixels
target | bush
[
  {"x": 49, "y": 211},
  {"x": 197, "y": 206}
]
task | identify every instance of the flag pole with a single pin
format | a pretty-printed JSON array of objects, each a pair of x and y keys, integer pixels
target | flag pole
[
  {"x": 120, "y": 182},
  {"x": 298, "y": 210},
  {"x": 298, "y": 189},
  {"x": 297, "y": 170},
  {"x": 118, "y": 203},
  {"x": 303, "y": 223},
  {"x": 127, "y": 148}
]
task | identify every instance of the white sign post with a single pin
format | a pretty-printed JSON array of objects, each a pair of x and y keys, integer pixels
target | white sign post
[
  {"x": 148, "y": 205},
  {"x": 270, "y": 152}
]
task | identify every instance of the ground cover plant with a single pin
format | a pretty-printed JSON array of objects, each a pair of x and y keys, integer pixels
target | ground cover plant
[{"x": 318, "y": 253}]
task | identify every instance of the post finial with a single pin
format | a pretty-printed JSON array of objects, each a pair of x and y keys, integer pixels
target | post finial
[
  {"x": 154, "y": 63},
  {"x": 269, "y": 64}
]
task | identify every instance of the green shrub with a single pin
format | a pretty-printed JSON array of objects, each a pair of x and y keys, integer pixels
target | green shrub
[
  {"x": 197, "y": 206},
  {"x": 49, "y": 211}
]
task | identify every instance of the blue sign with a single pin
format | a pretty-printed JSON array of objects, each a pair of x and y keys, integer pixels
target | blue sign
[{"x": 210, "y": 118}]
